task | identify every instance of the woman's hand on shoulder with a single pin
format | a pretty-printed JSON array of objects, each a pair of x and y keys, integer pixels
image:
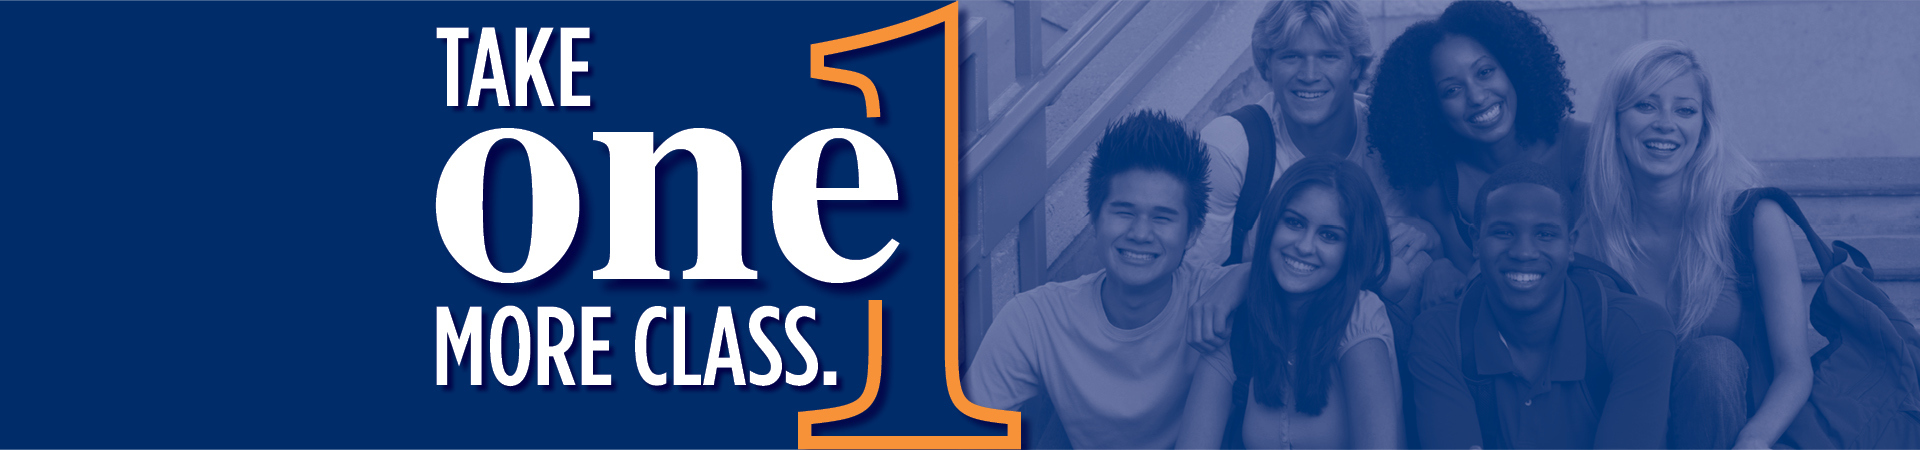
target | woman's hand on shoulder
[{"x": 1407, "y": 252}]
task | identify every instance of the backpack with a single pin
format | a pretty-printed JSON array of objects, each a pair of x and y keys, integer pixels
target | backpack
[
  {"x": 1253, "y": 193},
  {"x": 1866, "y": 386},
  {"x": 1591, "y": 279}
]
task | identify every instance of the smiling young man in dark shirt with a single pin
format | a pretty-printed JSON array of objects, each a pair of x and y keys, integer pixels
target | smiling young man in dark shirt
[{"x": 1538, "y": 359}]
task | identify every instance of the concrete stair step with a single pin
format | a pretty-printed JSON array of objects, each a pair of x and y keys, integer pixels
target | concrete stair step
[
  {"x": 1894, "y": 258},
  {"x": 1835, "y": 177},
  {"x": 1852, "y": 196},
  {"x": 1862, "y": 215}
]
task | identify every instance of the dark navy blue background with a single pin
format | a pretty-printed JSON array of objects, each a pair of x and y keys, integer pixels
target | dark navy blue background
[{"x": 220, "y": 223}]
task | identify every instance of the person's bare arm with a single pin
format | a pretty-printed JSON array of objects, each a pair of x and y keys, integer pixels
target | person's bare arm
[
  {"x": 1209, "y": 404},
  {"x": 1784, "y": 305},
  {"x": 1373, "y": 396}
]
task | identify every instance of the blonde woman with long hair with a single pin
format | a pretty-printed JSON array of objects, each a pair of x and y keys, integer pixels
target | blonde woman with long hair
[{"x": 1660, "y": 185}]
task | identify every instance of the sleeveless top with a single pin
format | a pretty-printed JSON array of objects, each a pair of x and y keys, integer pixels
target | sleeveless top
[{"x": 1723, "y": 320}]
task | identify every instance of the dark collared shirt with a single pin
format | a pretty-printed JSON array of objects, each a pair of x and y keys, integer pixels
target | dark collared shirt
[{"x": 1556, "y": 410}]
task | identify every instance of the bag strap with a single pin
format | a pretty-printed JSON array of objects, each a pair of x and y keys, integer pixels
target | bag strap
[
  {"x": 1749, "y": 202},
  {"x": 1859, "y": 259},
  {"x": 1583, "y": 262},
  {"x": 1492, "y": 435},
  {"x": 1752, "y": 335},
  {"x": 1260, "y": 159},
  {"x": 1587, "y": 275}
]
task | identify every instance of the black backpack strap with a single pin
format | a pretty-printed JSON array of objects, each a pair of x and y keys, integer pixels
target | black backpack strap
[
  {"x": 1840, "y": 251},
  {"x": 1751, "y": 333},
  {"x": 1485, "y": 408},
  {"x": 1260, "y": 160},
  {"x": 1590, "y": 278},
  {"x": 1604, "y": 272},
  {"x": 1752, "y": 329},
  {"x": 1742, "y": 224}
]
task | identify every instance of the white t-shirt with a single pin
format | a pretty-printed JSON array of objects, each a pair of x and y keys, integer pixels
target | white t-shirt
[
  {"x": 1111, "y": 387},
  {"x": 1284, "y": 427},
  {"x": 1227, "y": 172}
]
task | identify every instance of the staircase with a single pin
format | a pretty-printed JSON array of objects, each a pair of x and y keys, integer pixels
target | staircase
[
  {"x": 1871, "y": 203},
  {"x": 1040, "y": 81},
  {"x": 1044, "y": 79}
]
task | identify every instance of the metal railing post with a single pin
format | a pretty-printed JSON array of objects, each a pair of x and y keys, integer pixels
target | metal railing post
[
  {"x": 1031, "y": 248},
  {"x": 1026, "y": 42}
]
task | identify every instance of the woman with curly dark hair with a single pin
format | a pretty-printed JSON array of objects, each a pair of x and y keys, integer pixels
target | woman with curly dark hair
[{"x": 1463, "y": 95}]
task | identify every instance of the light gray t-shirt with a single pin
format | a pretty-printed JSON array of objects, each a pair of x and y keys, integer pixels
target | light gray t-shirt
[{"x": 1112, "y": 387}]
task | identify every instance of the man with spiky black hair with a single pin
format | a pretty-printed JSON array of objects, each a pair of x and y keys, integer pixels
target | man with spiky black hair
[{"x": 1110, "y": 349}]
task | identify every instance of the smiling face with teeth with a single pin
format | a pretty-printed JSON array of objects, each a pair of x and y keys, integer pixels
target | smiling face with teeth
[
  {"x": 1310, "y": 245},
  {"x": 1476, "y": 97},
  {"x": 1144, "y": 224},
  {"x": 1660, "y": 132},
  {"x": 1525, "y": 244},
  {"x": 1312, "y": 79}
]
